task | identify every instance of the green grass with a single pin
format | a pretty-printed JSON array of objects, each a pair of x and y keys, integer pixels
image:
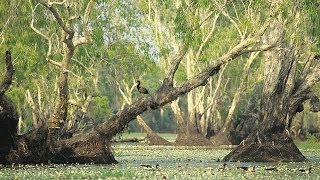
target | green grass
[
  {"x": 308, "y": 146},
  {"x": 311, "y": 144}
]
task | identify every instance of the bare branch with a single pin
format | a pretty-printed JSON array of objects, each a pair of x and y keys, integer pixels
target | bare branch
[
  {"x": 56, "y": 2},
  {"x": 212, "y": 103},
  {"x": 226, "y": 14},
  {"x": 208, "y": 36},
  {"x": 175, "y": 62},
  {"x": 86, "y": 39},
  {"x": 71, "y": 18},
  {"x": 44, "y": 36},
  {"x": 85, "y": 67},
  {"x": 127, "y": 100},
  {"x": 83, "y": 106},
  {"x": 4, "y": 27},
  {"x": 58, "y": 17}
]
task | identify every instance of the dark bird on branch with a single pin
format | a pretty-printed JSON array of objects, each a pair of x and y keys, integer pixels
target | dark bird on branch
[{"x": 141, "y": 89}]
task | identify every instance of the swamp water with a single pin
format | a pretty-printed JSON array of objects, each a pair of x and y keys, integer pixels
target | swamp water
[{"x": 137, "y": 161}]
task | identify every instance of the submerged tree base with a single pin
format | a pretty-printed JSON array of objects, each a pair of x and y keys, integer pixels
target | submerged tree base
[
  {"x": 33, "y": 148},
  {"x": 272, "y": 148},
  {"x": 156, "y": 140},
  {"x": 192, "y": 139},
  {"x": 222, "y": 138}
]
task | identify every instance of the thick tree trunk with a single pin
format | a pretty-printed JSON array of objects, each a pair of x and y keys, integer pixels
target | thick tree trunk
[
  {"x": 282, "y": 96},
  {"x": 266, "y": 148},
  {"x": 181, "y": 130},
  {"x": 8, "y": 114}
]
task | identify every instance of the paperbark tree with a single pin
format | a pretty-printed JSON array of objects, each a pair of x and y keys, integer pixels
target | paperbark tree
[
  {"x": 69, "y": 41},
  {"x": 188, "y": 126},
  {"x": 91, "y": 146},
  {"x": 204, "y": 108},
  {"x": 223, "y": 137},
  {"x": 286, "y": 87}
]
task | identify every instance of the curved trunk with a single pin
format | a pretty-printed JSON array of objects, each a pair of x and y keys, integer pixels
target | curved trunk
[{"x": 8, "y": 113}]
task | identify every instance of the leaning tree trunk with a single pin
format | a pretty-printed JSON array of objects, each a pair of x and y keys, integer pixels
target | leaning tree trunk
[{"x": 283, "y": 94}]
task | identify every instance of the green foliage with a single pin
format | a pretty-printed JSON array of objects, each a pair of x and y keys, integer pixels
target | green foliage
[
  {"x": 99, "y": 108},
  {"x": 311, "y": 9}
]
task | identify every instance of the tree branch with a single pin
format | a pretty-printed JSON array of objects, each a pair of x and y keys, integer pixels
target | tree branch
[
  {"x": 55, "y": 2},
  {"x": 165, "y": 95},
  {"x": 175, "y": 62},
  {"x": 242, "y": 48},
  {"x": 5, "y": 84},
  {"x": 234, "y": 23},
  {"x": 208, "y": 36},
  {"x": 310, "y": 78},
  {"x": 57, "y": 16},
  {"x": 83, "y": 106},
  {"x": 86, "y": 39},
  {"x": 45, "y": 37}
]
